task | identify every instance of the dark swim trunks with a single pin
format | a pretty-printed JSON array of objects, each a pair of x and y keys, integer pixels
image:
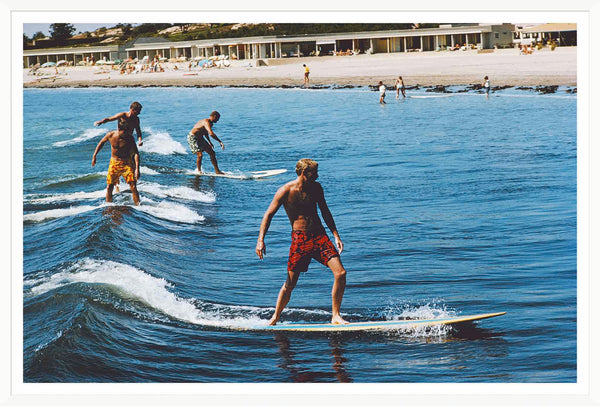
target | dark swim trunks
[
  {"x": 198, "y": 143},
  {"x": 309, "y": 245}
]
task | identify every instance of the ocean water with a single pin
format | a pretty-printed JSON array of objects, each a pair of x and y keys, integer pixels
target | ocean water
[{"x": 449, "y": 204}]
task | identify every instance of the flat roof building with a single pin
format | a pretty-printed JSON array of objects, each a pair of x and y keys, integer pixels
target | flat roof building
[{"x": 445, "y": 37}]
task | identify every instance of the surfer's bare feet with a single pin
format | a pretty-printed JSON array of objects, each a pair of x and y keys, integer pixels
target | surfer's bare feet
[
  {"x": 220, "y": 172},
  {"x": 338, "y": 320},
  {"x": 273, "y": 321}
]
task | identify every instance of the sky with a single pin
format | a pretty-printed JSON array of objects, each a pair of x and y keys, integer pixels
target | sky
[{"x": 30, "y": 29}]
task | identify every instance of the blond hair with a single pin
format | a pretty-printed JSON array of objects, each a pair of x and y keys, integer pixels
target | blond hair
[{"x": 304, "y": 164}]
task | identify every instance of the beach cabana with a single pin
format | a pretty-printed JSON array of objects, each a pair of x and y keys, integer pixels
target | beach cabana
[{"x": 565, "y": 34}]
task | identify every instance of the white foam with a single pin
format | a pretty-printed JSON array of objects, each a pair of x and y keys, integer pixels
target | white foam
[
  {"x": 57, "y": 213},
  {"x": 427, "y": 311},
  {"x": 88, "y": 134},
  {"x": 179, "y": 192},
  {"x": 147, "y": 171},
  {"x": 66, "y": 197},
  {"x": 171, "y": 211},
  {"x": 133, "y": 282},
  {"x": 161, "y": 143}
]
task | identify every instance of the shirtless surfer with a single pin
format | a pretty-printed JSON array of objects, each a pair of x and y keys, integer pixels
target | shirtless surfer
[
  {"x": 199, "y": 141},
  {"x": 128, "y": 121},
  {"x": 124, "y": 161},
  {"x": 300, "y": 199}
]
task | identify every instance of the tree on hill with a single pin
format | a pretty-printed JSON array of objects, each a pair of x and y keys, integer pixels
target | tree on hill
[{"x": 61, "y": 32}]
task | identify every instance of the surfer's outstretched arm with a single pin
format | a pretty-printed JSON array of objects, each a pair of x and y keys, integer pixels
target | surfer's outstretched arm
[{"x": 107, "y": 119}]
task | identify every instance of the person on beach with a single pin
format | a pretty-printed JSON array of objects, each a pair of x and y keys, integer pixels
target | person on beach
[
  {"x": 199, "y": 141},
  {"x": 486, "y": 86},
  {"x": 128, "y": 121},
  {"x": 381, "y": 93},
  {"x": 306, "y": 74},
  {"x": 400, "y": 87},
  {"x": 124, "y": 161},
  {"x": 300, "y": 199}
]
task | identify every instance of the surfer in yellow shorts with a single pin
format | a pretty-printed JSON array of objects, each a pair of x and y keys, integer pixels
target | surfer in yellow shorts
[{"x": 124, "y": 161}]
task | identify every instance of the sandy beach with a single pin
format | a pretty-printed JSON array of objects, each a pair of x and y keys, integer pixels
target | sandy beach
[{"x": 505, "y": 67}]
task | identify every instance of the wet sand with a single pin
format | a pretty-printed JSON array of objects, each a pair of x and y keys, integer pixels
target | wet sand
[{"x": 505, "y": 67}]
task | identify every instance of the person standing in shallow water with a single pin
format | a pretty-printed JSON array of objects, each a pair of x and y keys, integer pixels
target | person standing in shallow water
[
  {"x": 300, "y": 199},
  {"x": 381, "y": 93},
  {"x": 199, "y": 141},
  {"x": 400, "y": 87},
  {"x": 486, "y": 86}
]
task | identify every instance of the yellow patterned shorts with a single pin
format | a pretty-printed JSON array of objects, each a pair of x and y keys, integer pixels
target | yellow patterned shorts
[{"x": 118, "y": 168}]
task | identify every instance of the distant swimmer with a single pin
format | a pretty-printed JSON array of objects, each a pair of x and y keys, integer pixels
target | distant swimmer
[
  {"x": 199, "y": 141},
  {"x": 400, "y": 87},
  {"x": 300, "y": 199},
  {"x": 486, "y": 86},
  {"x": 381, "y": 93},
  {"x": 124, "y": 161},
  {"x": 128, "y": 121},
  {"x": 306, "y": 74}
]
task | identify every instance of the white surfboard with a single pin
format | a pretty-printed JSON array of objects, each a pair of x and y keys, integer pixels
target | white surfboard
[
  {"x": 241, "y": 175},
  {"x": 378, "y": 325},
  {"x": 430, "y": 96}
]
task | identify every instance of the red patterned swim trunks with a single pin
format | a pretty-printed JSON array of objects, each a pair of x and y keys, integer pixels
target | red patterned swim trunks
[{"x": 306, "y": 246}]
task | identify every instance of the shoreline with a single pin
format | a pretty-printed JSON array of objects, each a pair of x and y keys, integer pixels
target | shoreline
[{"x": 505, "y": 68}]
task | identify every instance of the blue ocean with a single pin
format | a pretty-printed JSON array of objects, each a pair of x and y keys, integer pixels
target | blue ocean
[{"x": 448, "y": 204}]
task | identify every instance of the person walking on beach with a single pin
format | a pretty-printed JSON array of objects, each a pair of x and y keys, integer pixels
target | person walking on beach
[
  {"x": 124, "y": 161},
  {"x": 199, "y": 141},
  {"x": 486, "y": 86},
  {"x": 306, "y": 74},
  {"x": 381, "y": 93},
  {"x": 300, "y": 199},
  {"x": 128, "y": 121},
  {"x": 400, "y": 87}
]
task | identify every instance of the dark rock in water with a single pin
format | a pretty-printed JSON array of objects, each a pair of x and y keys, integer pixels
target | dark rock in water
[
  {"x": 496, "y": 88},
  {"x": 524, "y": 88},
  {"x": 574, "y": 90},
  {"x": 415, "y": 87},
  {"x": 546, "y": 89},
  {"x": 462, "y": 91},
  {"x": 438, "y": 89},
  {"x": 475, "y": 87}
]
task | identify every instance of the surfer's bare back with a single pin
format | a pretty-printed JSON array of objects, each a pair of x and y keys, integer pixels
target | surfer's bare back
[{"x": 300, "y": 199}]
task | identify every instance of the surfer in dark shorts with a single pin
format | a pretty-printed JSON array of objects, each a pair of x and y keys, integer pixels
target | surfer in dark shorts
[
  {"x": 300, "y": 199},
  {"x": 199, "y": 141},
  {"x": 128, "y": 121}
]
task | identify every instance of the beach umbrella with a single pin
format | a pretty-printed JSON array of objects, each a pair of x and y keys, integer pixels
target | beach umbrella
[
  {"x": 61, "y": 62},
  {"x": 47, "y": 64}
]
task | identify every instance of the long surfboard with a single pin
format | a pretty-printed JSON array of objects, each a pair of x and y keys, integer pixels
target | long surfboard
[
  {"x": 242, "y": 175},
  {"x": 378, "y": 325}
]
